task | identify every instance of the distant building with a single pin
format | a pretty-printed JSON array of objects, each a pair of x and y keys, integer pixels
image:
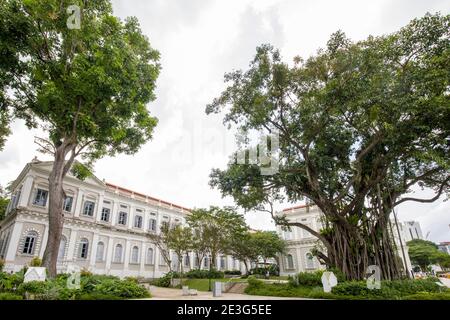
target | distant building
[
  {"x": 444, "y": 247},
  {"x": 411, "y": 230}
]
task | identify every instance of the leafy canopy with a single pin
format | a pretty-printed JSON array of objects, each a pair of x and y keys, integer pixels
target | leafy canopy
[{"x": 88, "y": 87}]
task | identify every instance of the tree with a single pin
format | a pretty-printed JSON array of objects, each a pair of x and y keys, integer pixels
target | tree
[
  {"x": 161, "y": 241},
  {"x": 268, "y": 245},
  {"x": 244, "y": 249},
  {"x": 424, "y": 253},
  {"x": 87, "y": 87},
  {"x": 4, "y": 201},
  {"x": 179, "y": 240},
  {"x": 216, "y": 227},
  {"x": 359, "y": 124}
]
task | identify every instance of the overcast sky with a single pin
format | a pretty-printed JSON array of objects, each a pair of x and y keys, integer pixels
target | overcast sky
[{"x": 200, "y": 40}]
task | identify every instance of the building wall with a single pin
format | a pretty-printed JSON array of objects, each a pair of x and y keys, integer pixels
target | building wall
[
  {"x": 25, "y": 218},
  {"x": 299, "y": 241}
]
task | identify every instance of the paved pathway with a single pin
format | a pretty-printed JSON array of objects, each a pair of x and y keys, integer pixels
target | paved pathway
[
  {"x": 445, "y": 281},
  {"x": 176, "y": 294}
]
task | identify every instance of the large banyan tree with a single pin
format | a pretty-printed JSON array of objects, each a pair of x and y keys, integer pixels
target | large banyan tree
[{"x": 359, "y": 124}]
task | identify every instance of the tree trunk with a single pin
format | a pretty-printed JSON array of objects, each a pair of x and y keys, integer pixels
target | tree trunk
[
  {"x": 55, "y": 212},
  {"x": 246, "y": 266}
]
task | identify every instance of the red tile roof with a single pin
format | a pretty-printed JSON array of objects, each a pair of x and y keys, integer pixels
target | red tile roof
[
  {"x": 296, "y": 207},
  {"x": 131, "y": 192}
]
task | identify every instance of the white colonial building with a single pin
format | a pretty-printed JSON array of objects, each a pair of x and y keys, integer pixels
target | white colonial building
[
  {"x": 298, "y": 257},
  {"x": 300, "y": 242},
  {"x": 106, "y": 227}
]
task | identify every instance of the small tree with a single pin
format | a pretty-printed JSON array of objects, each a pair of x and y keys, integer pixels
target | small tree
[
  {"x": 217, "y": 227},
  {"x": 424, "y": 253},
  {"x": 244, "y": 249},
  {"x": 161, "y": 241},
  {"x": 4, "y": 201},
  {"x": 86, "y": 87},
  {"x": 268, "y": 245},
  {"x": 179, "y": 240}
]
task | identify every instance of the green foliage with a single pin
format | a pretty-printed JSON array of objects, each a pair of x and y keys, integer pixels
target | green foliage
[
  {"x": 4, "y": 200},
  {"x": 35, "y": 262},
  {"x": 10, "y": 296},
  {"x": 92, "y": 287},
  {"x": 389, "y": 289},
  {"x": 2, "y": 264},
  {"x": 233, "y": 272},
  {"x": 254, "y": 283},
  {"x": 309, "y": 279},
  {"x": 165, "y": 280},
  {"x": 273, "y": 270},
  {"x": 267, "y": 244},
  {"x": 354, "y": 290},
  {"x": 90, "y": 84},
  {"x": 423, "y": 253},
  {"x": 204, "y": 274},
  {"x": 121, "y": 289},
  {"x": 215, "y": 229}
]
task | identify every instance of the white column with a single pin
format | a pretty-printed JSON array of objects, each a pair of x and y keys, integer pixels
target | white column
[
  {"x": 156, "y": 262},
  {"x": 127, "y": 257},
  {"x": 13, "y": 242},
  {"x": 26, "y": 192},
  {"x": 44, "y": 241},
  {"x": 142, "y": 266},
  {"x": 79, "y": 203},
  {"x": 113, "y": 213},
  {"x": 131, "y": 217},
  {"x": 72, "y": 243},
  {"x": 93, "y": 250},
  {"x": 109, "y": 254},
  {"x": 99, "y": 207}
]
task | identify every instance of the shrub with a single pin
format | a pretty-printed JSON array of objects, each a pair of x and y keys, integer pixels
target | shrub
[
  {"x": 121, "y": 288},
  {"x": 34, "y": 287},
  {"x": 10, "y": 296},
  {"x": 233, "y": 272},
  {"x": 351, "y": 288},
  {"x": 35, "y": 262},
  {"x": 2, "y": 264},
  {"x": 273, "y": 271},
  {"x": 97, "y": 296},
  {"x": 204, "y": 274},
  {"x": 396, "y": 289},
  {"x": 254, "y": 283}
]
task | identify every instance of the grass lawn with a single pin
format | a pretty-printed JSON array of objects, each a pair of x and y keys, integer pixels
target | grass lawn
[{"x": 203, "y": 284}]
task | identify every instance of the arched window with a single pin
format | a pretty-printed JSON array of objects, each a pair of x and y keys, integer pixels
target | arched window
[
  {"x": 83, "y": 249},
  {"x": 118, "y": 254},
  {"x": 309, "y": 261},
  {"x": 149, "y": 257},
  {"x": 206, "y": 262},
  {"x": 100, "y": 251},
  {"x": 62, "y": 248},
  {"x": 135, "y": 255},
  {"x": 290, "y": 261},
  {"x": 30, "y": 242}
]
